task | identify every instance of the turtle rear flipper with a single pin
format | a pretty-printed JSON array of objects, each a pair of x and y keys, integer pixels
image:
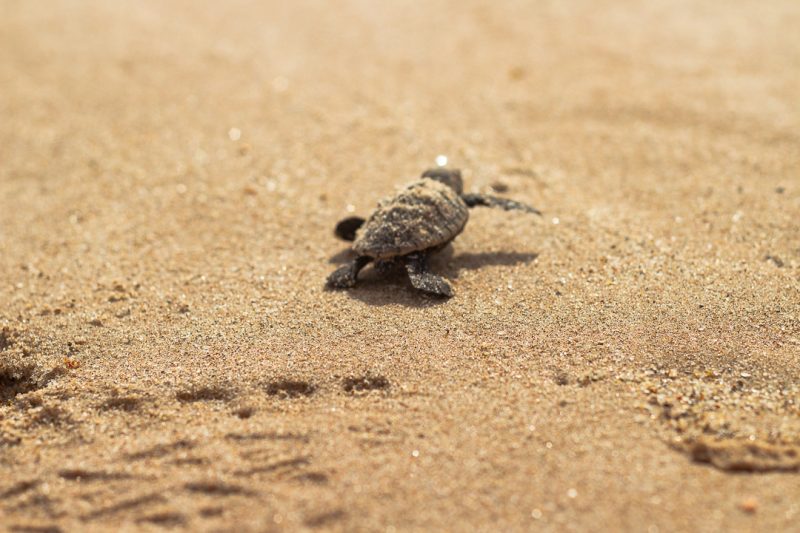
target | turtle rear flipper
[
  {"x": 346, "y": 228},
  {"x": 486, "y": 200},
  {"x": 345, "y": 276},
  {"x": 424, "y": 280}
]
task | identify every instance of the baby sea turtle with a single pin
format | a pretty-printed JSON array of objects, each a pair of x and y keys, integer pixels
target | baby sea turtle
[{"x": 407, "y": 227}]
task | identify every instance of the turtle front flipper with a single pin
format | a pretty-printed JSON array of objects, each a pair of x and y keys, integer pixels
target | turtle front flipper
[
  {"x": 345, "y": 276},
  {"x": 346, "y": 228},
  {"x": 473, "y": 200},
  {"x": 422, "y": 279}
]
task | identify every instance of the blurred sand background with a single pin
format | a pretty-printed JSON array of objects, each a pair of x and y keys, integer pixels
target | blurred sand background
[{"x": 170, "y": 173}]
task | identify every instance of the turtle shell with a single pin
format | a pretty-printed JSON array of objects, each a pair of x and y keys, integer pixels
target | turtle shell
[{"x": 426, "y": 214}]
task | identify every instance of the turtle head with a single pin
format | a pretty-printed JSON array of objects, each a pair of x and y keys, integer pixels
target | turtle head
[{"x": 449, "y": 176}]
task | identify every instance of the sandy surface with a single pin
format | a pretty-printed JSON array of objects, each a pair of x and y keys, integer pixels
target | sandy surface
[{"x": 170, "y": 174}]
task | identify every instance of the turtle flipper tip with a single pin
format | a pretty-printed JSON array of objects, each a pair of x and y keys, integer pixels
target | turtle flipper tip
[{"x": 346, "y": 228}]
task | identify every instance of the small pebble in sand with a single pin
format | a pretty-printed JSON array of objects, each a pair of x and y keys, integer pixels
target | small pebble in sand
[
  {"x": 245, "y": 411},
  {"x": 234, "y": 134},
  {"x": 516, "y": 73},
  {"x": 749, "y": 505},
  {"x": 777, "y": 261},
  {"x": 499, "y": 186}
]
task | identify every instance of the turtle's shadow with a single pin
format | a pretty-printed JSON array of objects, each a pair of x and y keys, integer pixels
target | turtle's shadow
[{"x": 393, "y": 287}]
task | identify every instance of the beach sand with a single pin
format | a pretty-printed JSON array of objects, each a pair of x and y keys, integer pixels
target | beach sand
[{"x": 170, "y": 175}]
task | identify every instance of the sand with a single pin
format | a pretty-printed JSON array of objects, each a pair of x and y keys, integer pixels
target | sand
[{"x": 170, "y": 175}]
